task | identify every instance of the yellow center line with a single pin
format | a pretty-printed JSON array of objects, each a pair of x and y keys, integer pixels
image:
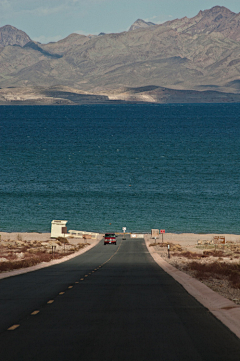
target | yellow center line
[
  {"x": 35, "y": 313},
  {"x": 61, "y": 293},
  {"x": 13, "y": 327}
]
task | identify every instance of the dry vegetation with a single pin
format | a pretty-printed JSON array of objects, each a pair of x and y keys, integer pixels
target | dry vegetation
[
  {"x": 217, "y": 270},
  {"x": 218, "y": 266},
  {"x": 164, "y": 245},
  {"x": 16, "y": 254}
]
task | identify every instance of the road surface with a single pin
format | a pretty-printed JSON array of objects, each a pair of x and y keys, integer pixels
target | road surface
[{"x": 110, "y": 303}]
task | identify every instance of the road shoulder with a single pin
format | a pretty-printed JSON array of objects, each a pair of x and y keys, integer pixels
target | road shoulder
[{"x": 222, "y": 308}]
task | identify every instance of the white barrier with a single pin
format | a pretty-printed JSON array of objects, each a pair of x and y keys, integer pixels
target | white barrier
[
  {"x": 80, "y": 234},
  {"x": 135, "y": 235}
]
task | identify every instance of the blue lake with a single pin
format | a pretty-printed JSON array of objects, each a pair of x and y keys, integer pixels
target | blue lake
[{"x": 102, "y": 167}]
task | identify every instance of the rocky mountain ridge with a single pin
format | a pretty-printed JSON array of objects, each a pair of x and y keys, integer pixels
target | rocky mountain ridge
[
  {"x": 218, "y": 19},
  {"x": 197, "y": 54},
  {"x": 9, "y": 35},
  {"x": 139, "y": 23}
]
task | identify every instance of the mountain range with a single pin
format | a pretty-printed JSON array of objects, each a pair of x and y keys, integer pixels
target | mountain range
[{"x": 183, "y": 60}]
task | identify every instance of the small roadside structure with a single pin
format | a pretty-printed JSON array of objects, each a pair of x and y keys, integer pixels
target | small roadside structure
[
  {"x": 58, "y": 229},
  {"x": 155, "y": 233}
]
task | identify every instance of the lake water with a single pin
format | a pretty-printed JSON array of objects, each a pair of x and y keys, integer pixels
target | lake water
[{"x": 102, "y": 167}]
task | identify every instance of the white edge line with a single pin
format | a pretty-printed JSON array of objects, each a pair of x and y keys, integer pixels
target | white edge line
[{"x": 207, "y": 297}]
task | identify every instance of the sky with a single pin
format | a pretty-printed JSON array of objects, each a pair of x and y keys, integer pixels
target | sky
[{"x": 52, "y": 20}]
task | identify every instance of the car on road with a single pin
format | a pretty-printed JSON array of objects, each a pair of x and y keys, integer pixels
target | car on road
[{"x": 110, "y": 238}]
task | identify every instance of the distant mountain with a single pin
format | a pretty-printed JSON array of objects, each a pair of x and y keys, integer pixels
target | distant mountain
[
  {"x": 9, "y": 35},
  {"x": 189, "y": 54},
  {"x": 218, "y": 19},
  {"x": 140, "y": 24},
  {"x": 37, "y": 46}
]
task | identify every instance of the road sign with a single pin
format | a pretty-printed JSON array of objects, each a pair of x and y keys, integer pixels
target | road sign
[
  {"x": 162, "y": 231},
  {"x": 124, "y": 229},
  {"x": 219, "y": 240}
]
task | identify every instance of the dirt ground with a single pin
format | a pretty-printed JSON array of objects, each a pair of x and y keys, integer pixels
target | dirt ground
[
  {"x": 216, "y": 265},
  {"x": 21, "y": 250}
]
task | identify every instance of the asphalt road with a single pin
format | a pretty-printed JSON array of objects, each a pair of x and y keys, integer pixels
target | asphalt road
[{"x": 127, "y": 309}]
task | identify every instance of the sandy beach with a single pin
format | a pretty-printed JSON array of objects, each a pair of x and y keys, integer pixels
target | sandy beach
[
  {"x": 38, "y": 237},
  {"x": 191, "y": 239},
  {"x": 25, "y": 236},
  {"x": 185, "y": 239}
]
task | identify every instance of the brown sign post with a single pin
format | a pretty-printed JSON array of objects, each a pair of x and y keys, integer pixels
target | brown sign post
[{"x": 64, "y": 231}]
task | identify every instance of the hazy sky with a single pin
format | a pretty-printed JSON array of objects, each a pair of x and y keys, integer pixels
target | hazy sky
[{"x": 52, "y": 20}]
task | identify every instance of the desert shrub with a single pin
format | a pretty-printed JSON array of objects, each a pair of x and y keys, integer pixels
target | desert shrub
[
  {"x": 32, "y": 259},
  {"x": 24, "y": 249},
  {"x": 19, "y": 237},
  {"x": 173, "y": 246},
  {"x": 216, "y": 269},
  {"x": 11, "y": 256},
  {"x": 188, "y": 254},
  {"x": 62, "y": 240},
  {"x": 82, "y": 245},
  {"x": 215, "y": 254},
  {"x": 28, "y": 262}
]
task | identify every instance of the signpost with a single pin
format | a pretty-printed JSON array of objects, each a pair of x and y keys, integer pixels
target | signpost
[
  {"x": 219, "y": 240},
  {"x": 64, "y": 231},
  {"x": 162, "y": 231}
]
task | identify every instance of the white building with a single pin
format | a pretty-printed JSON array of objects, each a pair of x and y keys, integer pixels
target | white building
[{"x": 58, "y": 229}]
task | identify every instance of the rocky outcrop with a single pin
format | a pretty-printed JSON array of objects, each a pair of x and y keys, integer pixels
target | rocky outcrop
[
  {"x": 216, "y": 20},
  {"x": 9, "y": 35},
  {"x": 140, "y": 24}
]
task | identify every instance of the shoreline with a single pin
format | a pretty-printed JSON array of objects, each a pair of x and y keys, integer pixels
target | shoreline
[{"x": 182, "y": 238}]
